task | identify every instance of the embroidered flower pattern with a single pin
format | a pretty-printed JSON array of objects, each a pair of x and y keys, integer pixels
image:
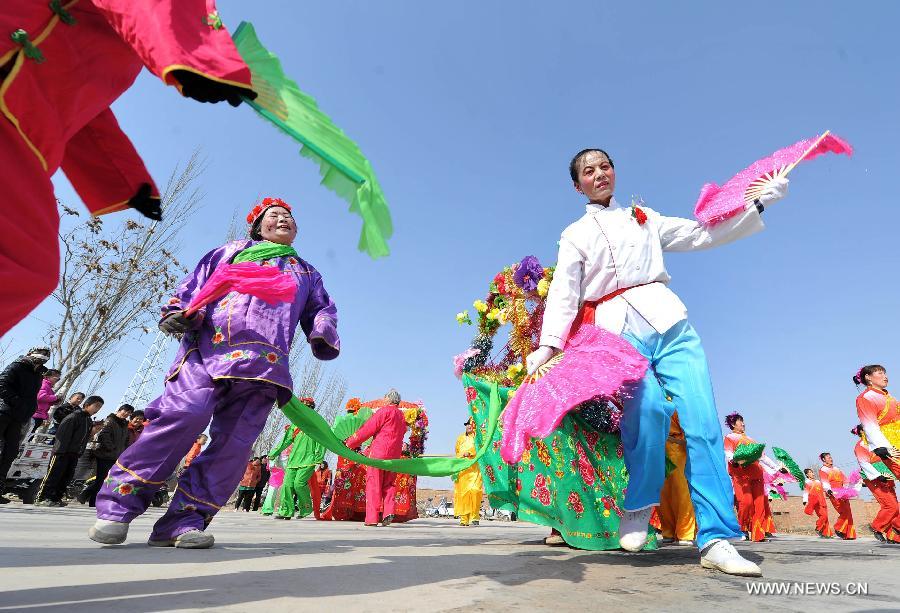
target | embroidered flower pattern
[
  {"x": 574, "y": 503},
  {"x": 293, "y": 261},
  {"x": 271, "y": 357},
  {"x": 240, "y": 354},
  {"x": 122, "y": 488},
  {"x": 218, "y": 337}
]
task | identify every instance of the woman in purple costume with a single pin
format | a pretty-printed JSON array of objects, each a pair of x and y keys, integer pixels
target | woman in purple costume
[{"x": 231, "y": 368}]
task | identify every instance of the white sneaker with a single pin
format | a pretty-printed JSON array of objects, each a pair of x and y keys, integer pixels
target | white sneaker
[
  {"x": 722, "y": 556},
  {"x": 633, "y": 529},
  {"x": 108, "y": 532},
  {"x": 192, "y": 539}
]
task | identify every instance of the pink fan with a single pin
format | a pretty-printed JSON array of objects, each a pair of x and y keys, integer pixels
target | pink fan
[
  {"x": 267, "y": 283},
  {"x": 595, "y": 362},
  {"x": 845, "y": 493},
  {"x": 717, "y": 204}
]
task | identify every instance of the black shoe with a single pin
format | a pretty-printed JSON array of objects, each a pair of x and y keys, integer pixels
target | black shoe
[
  {"x": 387, "y": 521},
  {"x": 840, "y": 534},
  {"x": 879, "y": 537},
  {"x": 4, "y": 499}
]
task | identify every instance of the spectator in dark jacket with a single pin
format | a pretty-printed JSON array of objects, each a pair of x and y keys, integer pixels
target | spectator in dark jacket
[
  {"x": 19, "y": 385},
  {"x": 71, "y": 440},
  {"x": 111, "y": 441},
  {"x": 66, "y": 409},
  {"x": 135, "y": 426}
]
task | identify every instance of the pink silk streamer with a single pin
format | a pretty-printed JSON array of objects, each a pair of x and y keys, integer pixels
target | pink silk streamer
[
  {"x": 595, "y": 362},
  {"x": 267, "y": 283},
  {"x": 716, "y": 204}
]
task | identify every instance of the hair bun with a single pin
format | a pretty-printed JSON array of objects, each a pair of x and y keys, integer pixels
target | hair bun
[{"x": 856, "y": 380}]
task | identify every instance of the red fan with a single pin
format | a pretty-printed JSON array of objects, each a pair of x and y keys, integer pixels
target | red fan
[
  {"x": 267, "y": 283},
  {"x": 717, "y": 203}
]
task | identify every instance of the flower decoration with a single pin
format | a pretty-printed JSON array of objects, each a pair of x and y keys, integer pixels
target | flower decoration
[
  {"x": 515, "y": 298},
  {"x": 266, "y": 203},
  {"x": 218, "y": 337},
  {"x": 353, "y": 405},
  {"x": 308, "y": 401},
  {"x": 637, "y": 212},
  {"x": 214, "y": 21},
  {"x": 272, "y": 357},
  {"x": 463, "y": 318},
  {"x": 528, "y": 274},
  {"x": 543, "y": 288}
]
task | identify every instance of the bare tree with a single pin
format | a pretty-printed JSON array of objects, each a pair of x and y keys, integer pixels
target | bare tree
[{"x": 111, "y": 280}]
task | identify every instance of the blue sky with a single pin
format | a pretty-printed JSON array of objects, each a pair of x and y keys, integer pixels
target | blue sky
[{"x": 469, "y": 113}]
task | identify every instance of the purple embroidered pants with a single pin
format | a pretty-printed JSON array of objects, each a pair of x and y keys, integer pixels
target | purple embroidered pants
[{"x": 238, "y": 409}]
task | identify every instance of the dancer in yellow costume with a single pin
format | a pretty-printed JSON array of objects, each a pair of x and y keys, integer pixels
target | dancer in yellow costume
[
  {"x": 469, "y": 489},
  {"x": 676, "y": 513}
]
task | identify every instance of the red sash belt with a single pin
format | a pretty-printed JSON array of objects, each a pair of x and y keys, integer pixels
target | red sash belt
[{"x": 588, "y": 310}]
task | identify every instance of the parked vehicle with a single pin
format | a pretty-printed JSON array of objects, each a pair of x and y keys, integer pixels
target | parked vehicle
[
  {"x": 30, "y": 467},
  {"x": 489, "y": 513},
  {"x": 442, "y": 509}
]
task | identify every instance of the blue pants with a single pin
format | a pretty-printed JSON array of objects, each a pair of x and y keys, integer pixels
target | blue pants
[{"x": 678, "y": 371}]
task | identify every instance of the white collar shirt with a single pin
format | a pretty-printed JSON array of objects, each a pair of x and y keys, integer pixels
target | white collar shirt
[{"x": 607, "y": 250}]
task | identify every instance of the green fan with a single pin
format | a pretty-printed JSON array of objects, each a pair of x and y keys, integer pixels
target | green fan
[
  {"x": 748, "y": 453},
  {"x": 346, "y": 425},
  {"x": 785, "y": 458}
]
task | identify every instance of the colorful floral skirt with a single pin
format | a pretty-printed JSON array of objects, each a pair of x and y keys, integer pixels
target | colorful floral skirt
[
  {"x": 574, "y": 480},
  {"x": 348, "y": 502}
]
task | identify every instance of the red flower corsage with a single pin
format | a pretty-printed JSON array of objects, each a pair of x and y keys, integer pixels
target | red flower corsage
[
  {"x": 265, "y": 204},
  {"x": 638, "y": 213}
]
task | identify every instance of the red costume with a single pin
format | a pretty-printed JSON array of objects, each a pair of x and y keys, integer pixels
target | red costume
[
  {"x": 388, "y": 426},
  {"x": 61, "y": 67},
  {"x": 815, "y": 503},
  {"x": 887, "y": 521},
  {"x": 749, "y": 490},
  {"x": 832, "y": 477}
]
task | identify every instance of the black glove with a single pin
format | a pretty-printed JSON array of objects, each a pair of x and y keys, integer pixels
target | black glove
[
  {"x": 177, "y": 323},
  {"x": 145, "y": 204},
  {"x": 882, "y": 452},
  {"x": 202, "y": 89}
]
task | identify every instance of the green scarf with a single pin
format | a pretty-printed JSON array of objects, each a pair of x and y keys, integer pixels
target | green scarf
[
  {"x": 265, "y": 250},
  {"x": 318, "y": 429}
]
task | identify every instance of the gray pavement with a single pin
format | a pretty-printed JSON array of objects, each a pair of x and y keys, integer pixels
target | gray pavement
[{"x": 47, "y": 563}]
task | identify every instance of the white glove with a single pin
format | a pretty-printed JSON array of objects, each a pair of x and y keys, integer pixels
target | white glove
[
  {"x": 776, "y": 190},
  {"x": 538, "y": 357}
]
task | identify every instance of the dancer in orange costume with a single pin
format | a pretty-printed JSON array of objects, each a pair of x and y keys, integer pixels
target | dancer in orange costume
[
  {"x": 814, "y": 499},
  {"x": 886, "y": 524},
  {"x": 62, "y": 64},
  {"x": 879, "y": 414},
  {"x": 749, "y": 484},
  {"x": 832, "y": 477}
]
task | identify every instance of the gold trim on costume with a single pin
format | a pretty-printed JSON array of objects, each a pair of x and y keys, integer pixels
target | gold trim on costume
[
  {"x": 138, "y": 477},
  {"x": 177, "y": 83},
  {"x": 14, "y": 71},
  {"x": 180, "y": 366},
  {"x": 182, "y": 491}
]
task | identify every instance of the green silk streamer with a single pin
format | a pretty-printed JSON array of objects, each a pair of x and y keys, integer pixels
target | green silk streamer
[
  {"x": 748, "y": 453},
  {"x": 265, "y": 250},
  {"x": 342, "y": 166},
  {"x": 785, "y": 458},
  {"x": 318, "y": 429}
]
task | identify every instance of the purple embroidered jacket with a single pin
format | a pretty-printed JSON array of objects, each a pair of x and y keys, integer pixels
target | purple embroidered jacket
[{"x": 240, "y": 336}]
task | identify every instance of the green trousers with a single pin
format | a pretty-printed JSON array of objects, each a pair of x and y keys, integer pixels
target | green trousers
[
  {"x": 268, "y": 506},
  {"x": 296, "y": 483}
]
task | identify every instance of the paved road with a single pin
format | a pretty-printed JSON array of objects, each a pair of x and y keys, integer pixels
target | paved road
[{"x": 262, "y": 565}]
